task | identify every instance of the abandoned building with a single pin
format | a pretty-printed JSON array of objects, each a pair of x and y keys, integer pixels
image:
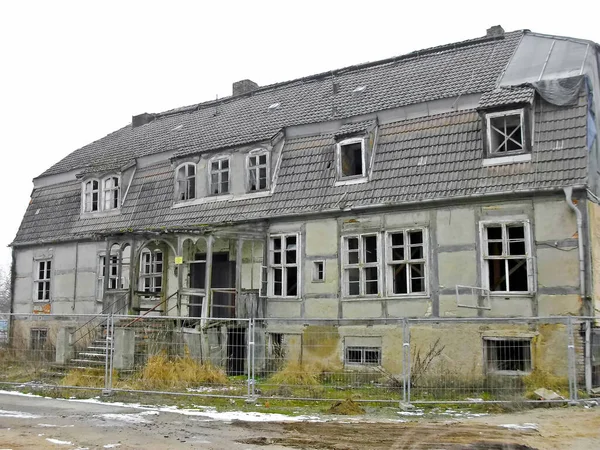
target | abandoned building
[{"x": 456, "y": 181}]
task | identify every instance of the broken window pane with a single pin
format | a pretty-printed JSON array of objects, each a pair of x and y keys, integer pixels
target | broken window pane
[
  {"x": 400, "y": 284},
  {"x": 517, "y": 278},
  {"x": 497, "y": 275},
  {"x": 370, "y": 248},
  {"x": 351, "y": 160},
  {"x": 278, "y": 283},
  {"x": 506, "y": 134},
  {"x": 292, "y": 281}
]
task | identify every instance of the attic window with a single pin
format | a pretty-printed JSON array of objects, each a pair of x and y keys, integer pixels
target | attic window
[
  {"x": 351, "y": 159},
  {"x": 91, "y": 196},
  {"x": 186, "y": 182},
  {"x": 505, "y": 133},
  {"x": 219, "y": 176},
  {"x": 257, "y": 170}
]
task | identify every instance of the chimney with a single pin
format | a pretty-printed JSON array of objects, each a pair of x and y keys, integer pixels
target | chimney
[
  {"x": 141, "y": 119},
  {"x": 243, "y": 87},
  {"x": 495, "y": 31}
]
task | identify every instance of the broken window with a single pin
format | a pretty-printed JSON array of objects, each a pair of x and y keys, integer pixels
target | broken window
[
  {"x": 119, "y": 262},
  {"x": 219, "y": 176},
  {"x": 258, "y": 171},
  {"x": 365, "y": 356},
  {"x": 508, "y": 355},
  {"x": 186, "y": 182},
  {"x": 101, "y": 276},
  {"x": 42, "y": 280},
  {"x": 318, "y": 271},
  {"x": 507, "y": 265},
  {"x": 361, "y": 265},
  {"x": 110, "y": 193},
  {"x": 151, "y": 271},
  {"x": 351, "y": 158},
  {"x": 284, "y": 265},
  {"x": 505, "y": 132},
  {"x": 91, "y": 196},
  {"x": 407, "y": 258},
  {"x": 38, "y": 338}
]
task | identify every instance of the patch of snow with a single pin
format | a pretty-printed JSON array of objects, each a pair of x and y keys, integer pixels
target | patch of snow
[
  {"x": 411, "y": 413},
  {"x": 18, "y": 415},
  {"x": 129, "y": 418},
  {"x": 525, "y": 426},
  {"x": 58, "y": 442},
  {"x": 49, "y": 425},
  {"x": 202, "y": 389},
  {"x": 111, "y": 445}
]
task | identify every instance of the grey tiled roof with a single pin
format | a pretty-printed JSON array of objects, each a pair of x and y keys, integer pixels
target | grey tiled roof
[
  {"x": 430, "y": 158},
  {"x": 448, "y": 71},
  {"x": 507, "y": 96}
]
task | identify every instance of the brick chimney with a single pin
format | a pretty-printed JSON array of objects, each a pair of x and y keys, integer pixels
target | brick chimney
[
  {"x": 141, "y": 119},
  {"x": 495, "y": 31},
  {"x": 243, "y": 87}
]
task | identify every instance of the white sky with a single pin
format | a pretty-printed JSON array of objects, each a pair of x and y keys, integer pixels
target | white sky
[{"x": 73, "y": 71}]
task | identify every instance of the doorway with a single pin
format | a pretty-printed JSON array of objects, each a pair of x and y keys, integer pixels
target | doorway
[{"x": 223, "y": 276}]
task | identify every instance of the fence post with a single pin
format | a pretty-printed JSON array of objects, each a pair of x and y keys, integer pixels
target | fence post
[
  {"x": 108, "y": 360},
  {"x": 572, "y": 367},
  {"x": 405, "y": 361},
  {"x": 250, "y": 362}
]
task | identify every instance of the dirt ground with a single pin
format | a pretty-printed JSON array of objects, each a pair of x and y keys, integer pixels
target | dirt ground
[{"x": 38, "y": 423}]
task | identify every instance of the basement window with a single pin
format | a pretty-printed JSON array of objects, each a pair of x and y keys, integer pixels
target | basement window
[
  {"x": 505, "y": 133},
  {"x": 318, "y": 271},
  {"x": 284, "y": 265},
  {"x": 406, "y": 262},
  {"x": 507, "y": 264},
  {"x": 351, "y": 159},
  {"x": 364, "y": 356},
  {"x": 219, "y": 176},
  {"x": 186, "y": 182},
  {"x": 361, "y": 265},
  {"x": 508, "y": 356}
]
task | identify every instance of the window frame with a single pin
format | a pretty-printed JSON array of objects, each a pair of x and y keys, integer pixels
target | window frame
[
  {"x": 46, "y": 281},
  {"x": 363, "y": 360},
  {"x": 219, "y": 172},
  {"x": 389, "y": 262},
  {"x": 488, "y": 362},
  {"x": 315, "y": 271},
  {"x": 284, "y": 266},
  {"x": 114, "y": 192},
  {"x": 153, "y": 274},
  {"x": 361, "y": 265},
  {"x": 351, "y": 178},
  {"x": 256, "y": 153},
  {"x": 186, "y": 180},
  {"x": 523, "y": 117},
  {"x": 40, "y": 344},
  {"x": 85, "y": 194},
  {"x": 485, "y": 257}
]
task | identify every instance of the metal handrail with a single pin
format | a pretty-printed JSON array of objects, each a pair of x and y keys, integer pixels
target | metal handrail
[
  {"x": 103, "y": 312},
  {"x": 151, "y": 309}
]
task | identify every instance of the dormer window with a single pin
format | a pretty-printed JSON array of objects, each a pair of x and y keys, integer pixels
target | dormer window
[
  {"x": 186, "y": 182},
  {"x": 219, "y": 176},
  {"x": 258, "y": 170},
  {"x": 351, "y": 159},
  {"x": 91, "y": 196},
  {"x": 506, "y": 133},
  {"x": 110, "y": 193}
]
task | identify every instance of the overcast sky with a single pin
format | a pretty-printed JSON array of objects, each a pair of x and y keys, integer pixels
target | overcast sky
[{"x": 73, "y": 71}]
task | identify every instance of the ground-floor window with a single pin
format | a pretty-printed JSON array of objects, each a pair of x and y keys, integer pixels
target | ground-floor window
[
  {"x": 151, "y": 271},
  {"x": 38, "y": 338},
  {"x": 509, "y": 356}
]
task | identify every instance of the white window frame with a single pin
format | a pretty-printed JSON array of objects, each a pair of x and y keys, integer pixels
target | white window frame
[
  {"x": 488, "y": 120},
  {"x": 219, "y": 172},
  {"x": 186, "y": 180},
  {"x": 152, "y": 273},
  {"x": 485, "y": 257},
  {"x": 101, "y": 275},
  {"x": 284, "y": 265},
  {"x": 87, "y": 197},
  {"x": 257, "y": 153},
  {"x": 111, "y": 194},
  {"x": 389, "y": 262},
  {"x": 343, "y": 179},
  {"x": 488, "y": 362},
  {"x": 315, "y": 271},
  {"x": 361, "y": 265},
  {"x": 45, "y": 281}
]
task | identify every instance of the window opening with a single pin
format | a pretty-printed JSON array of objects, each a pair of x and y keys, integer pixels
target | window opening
[
  {"x": 101, "y": 276},
  {"x": 505, "y": 133},
  {"x": 257, "y": 172},
  {"x": 351, "y": 159},
  {"x": 508, "y": 355},
  {"x": 151, "y": 271},
  {"x": 506, "y": 257},
  {"x": 186, "y": 182},
  {"x": 42, "y": 281},
  {"x": 284, "y": 265},
  {"x": 406, "y": 262},
  {"x": 319, "y": 271},
  {"x": 361, "y": 265},
  {"x": 366, "y": 356},
  {"x": 38, "y": 338},
  {"x": 110, "y": 193},
  {"x": 91, "y": 196},
  {"x": 219, "y": 176}
]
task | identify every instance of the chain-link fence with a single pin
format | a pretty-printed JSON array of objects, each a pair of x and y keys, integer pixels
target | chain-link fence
[{"x": 404, "y": 360}]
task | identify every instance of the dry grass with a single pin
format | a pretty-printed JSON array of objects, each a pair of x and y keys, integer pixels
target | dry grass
[
  {"x": 303, "y": 374},
  {"x": 162, "y": 372},
  {"x": 542, "y": 379},
  {"x": 85, "y": 378}
]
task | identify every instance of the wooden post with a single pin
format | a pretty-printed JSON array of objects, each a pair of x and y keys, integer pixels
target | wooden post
[
  {"x": 238, "y": 273},
  {"x": 206, "y": 309}
]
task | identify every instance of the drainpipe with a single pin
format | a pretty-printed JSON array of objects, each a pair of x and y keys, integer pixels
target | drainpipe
[{"x": 588, "y": 361}]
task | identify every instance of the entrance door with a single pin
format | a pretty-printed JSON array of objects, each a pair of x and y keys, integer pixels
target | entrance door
[{"x": 223, "y": 276}]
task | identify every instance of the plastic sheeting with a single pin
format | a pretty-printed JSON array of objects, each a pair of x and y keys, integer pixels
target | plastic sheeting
[{"x": 560, "y": 91}]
